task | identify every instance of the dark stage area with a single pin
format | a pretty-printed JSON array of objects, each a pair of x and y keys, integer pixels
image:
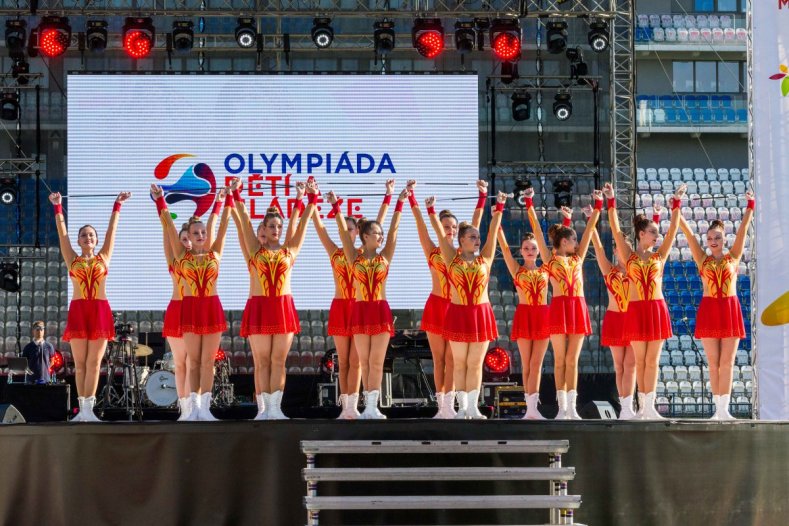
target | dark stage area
[{"x": 249, "y": 473}]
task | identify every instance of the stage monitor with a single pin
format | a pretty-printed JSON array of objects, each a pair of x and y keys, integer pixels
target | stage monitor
[{"x": 192, "y": 133}]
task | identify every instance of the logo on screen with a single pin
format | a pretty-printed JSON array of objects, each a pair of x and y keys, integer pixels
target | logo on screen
[{"x": 197, "y": 183}]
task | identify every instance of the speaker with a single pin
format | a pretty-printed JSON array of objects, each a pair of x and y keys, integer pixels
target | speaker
[
  {"x": 10, "y": 415},
  {"x": 597, "y": 410},
  {"x": 40, "y": 403}
]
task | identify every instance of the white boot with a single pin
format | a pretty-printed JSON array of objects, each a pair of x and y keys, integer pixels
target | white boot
[
  {"x": 716, "y": 402},
  {"x": 532, "y": 412},
  {"x": 572, "y": 413},
  {"x": 194, "y": 403},
  {"x": 79, "y": 417},
  {"x": 473, "y": 406},
  {"x": 371, "y": 411},
  {"x": 627, "y": 408},
  {"x": 723, "y": 408},
  {"x": 440, "y": 404},
  {"x": 275, "y": 413},
  {"x": 343, "y": 403},
  {"x": 350, "y": 411},
  {"x": 561, "y": 400},
  {"x": 462, "y": 411},
  {"x": 185, "y": 406},
  {"x": 263, "y": 400},
  {"x": 449, "y": 404},
  {"x": 87, "y": 414},
  {"x": 650, "y": 411},
  {"x": 204, "y": 412},
  {"x": 642, "y": 402}
]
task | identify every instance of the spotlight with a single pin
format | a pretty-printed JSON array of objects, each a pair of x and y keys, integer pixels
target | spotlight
[
  {"x": 520, "y": 188},
  {"x": 9, "y": 106},
  {"x": 465, "y": 37},
  {"x": 322, "y": 32},
  {"x": 54, "y": 36},
  {"x": 521, "y": 106},
  {"x": 246, "y": 34},
  {"x": 9, "y": 190},
  {"x": 497, "y": 365},
  {"x": 20, "y": 70},
  {"x": 139, "y": 36},
  {"x": 183, "y": 36},
  {"x": 383, "y": 37},
  {"x": 329, "y": 366},
  {"x": 15, "y": 37},
  {"x": 505, "y": 39},
  {"x": 562, "y": 193},
  {"x": 563, "y": 106},
  {"x": 220, "y": 356},
  {"x": 578, "y": 68},
  {"x": 96, "y": 35},
  {"x": 598, "y": 35},
  {"x": 557, "y": 36},
  {"x": 57, "y": 363},
  {"x": 427, "y": 36},
  {"x": 9, "y": 277}
]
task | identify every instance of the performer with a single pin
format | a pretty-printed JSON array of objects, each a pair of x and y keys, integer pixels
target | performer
[
  {"x": 719, "y": 322},
  {"x": 529, "y": 329},
  {"x": 172, "y": 316},
  {"x": 568, "y": 318},
  {"x": 339, "y": 327},
  {"x": 470, "y": 324},
  {"x": 270, "y": 318},
  {"x": 90, "y": 323},
  {"x": 371, "y": 319},
  {"x": 647, "y": 322},
  {"x": 438, "y": 302},
  {"x": 202, "y": 315}
]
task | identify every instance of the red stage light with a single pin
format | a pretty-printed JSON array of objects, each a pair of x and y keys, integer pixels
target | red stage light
[
  {"x": 137, "y": 44},
  {"x": 57, "y": 363},
  {"x": 507, "y": 46},
  {"x": 430, "y": 44},
  {"x": 220, "y": 356},
  {"x": 497, "y": 360},
  {"x": 53, "y": 42}
]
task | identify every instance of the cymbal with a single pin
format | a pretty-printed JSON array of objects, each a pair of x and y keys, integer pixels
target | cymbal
[{"x": 142, "y": 350}]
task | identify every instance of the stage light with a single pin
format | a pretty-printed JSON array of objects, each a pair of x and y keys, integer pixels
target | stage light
[
  {"x": 9, "y": 106},
  {"x": 505, "y": 39},
  {"x": 96, "y": 35},
  {"x": 383, "y": 37},
  {"x": 328, "y": 363},
  {"x": 562, "y": 193},
  {"x": 9, "y": 277},
  {"x": 183, "y": 36},
  {"x": 246, "y": 33},
  {"x": 496, "y": 365},
  {"x": 521, "y": 106},
  {"x": 19, "y": 70},
  {"x": 521, "y": 186},
  {"x": 563, "y": 106},
  {"x": 598, "y": 35},
  {"x": 57, "y": 363},
  {"x": 54, "y": 36},
  {"x": 322, "y": 32},
  {"x": 427, "y": 36},
  {"x": 557, "y": 36},
  {"x": 465, "y": 37},
  {"x": 9, "y": 190},
  {"x": 15, "y": 37},
  {"x": 139, "y": 37},
  {"x": 220, "y": 356},
  {"x": 578, "y": 68}
]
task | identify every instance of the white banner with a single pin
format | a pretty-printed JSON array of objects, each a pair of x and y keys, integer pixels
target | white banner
[
  {"x": 770, "y": 133},
  {"x": 192, "y": 133}
]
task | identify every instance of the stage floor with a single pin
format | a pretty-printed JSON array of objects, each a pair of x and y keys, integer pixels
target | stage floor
[{"x": 242, "y": 472}]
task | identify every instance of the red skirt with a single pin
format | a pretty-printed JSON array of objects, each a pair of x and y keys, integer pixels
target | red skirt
[
  {"x": 646, "y": 321},
  {"x": 435, "y": 314},
  {"x": 89, "y": 320},
  {"x": 270, "y": 315},
  {"x": 202, "y": 315},
  {"x": 531, "y": 322},
  {"x": 569, "y": 315},
  {"x": 719, "y": 318},
  {"x": 172, "y": 320},
  {"x": 470, "y": 323},
  {"x": 371, "y": 318},
  {"x": 613, "y": 331},
  {"x": 340, "y": 317}
]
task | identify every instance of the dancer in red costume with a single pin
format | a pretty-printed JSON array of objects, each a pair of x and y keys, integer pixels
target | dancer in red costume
[
  {"x": 529, "y": 329},
  {"x": 568, "y": 317},
  {"x": 371, "y": 319},
  {"x": 90, "y": 323},
  {"x": 202, "y": 315},
  {"x": 438, "y": 302},
  {"x": 339, "y": 327},
  {"x": 270, "y": 319},
  {"x": 719, "y": 322},
  {"x": 470, "y": 324},
  {"x": 647, "y": 322}
]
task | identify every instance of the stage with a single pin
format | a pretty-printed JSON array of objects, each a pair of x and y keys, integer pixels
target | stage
[{"x": 242, "y": 472}]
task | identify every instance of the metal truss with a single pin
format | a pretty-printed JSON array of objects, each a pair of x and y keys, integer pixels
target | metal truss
[
  {"x": 542, "y": 168},
  {"x": 18, "y": 167}
]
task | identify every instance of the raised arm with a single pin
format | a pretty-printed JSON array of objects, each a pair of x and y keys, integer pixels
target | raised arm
[
  {"x": 739, "y": 242},
  {"x": 166, "y": 219},
  {"x": 347, "y": 243},
  {"x": 489, "y": 250},
  {"x": 60, "y": 223},
  {"x": 447, "y": 250},
  {"x": 323, "y": 234},
  {"x": 602, "y": 259},
  {"x": 482, "y": 202},
  {"x": 512, "y": 265},
  {"x": 239, "y": 230},
  {"x": 250, "y": 239},
  {"x": 390, "y": 184},
  {"x": 109, "y": 237},
  {"x": 668, "y": 239},
  {"x": 297, "y": 240},
  {"x": 218, "y": 246},
  {"x": 693, "y": 244},
  {"x": 391, "y": 237},
  {"x": 623, "y": 250},
  {"x": 591, "y": 224},
  {"x": 421, "y": 228},
  {"x": 528, "y": 202},
  {"x": 297, "y": 212}
]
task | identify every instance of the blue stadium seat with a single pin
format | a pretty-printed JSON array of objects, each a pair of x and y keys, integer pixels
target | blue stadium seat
[
  {"x": 691, "y": 101},
  {"x": 742, "y": 115},
  {"x": 725, "y": 101},
  {"x": 671, "y": 115},
  {"x": 704, "y": 101}
]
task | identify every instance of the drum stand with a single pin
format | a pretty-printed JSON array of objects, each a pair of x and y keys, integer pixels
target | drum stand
[
  {"x": 128, "y": 396},
  {"x": 222, "y": 394}
]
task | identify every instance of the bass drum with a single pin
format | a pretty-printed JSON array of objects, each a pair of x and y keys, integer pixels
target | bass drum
[{"x": 159, "y": 388}]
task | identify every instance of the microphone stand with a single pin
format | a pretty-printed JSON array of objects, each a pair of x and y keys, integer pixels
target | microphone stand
[{"x": 699, "y": 362}]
